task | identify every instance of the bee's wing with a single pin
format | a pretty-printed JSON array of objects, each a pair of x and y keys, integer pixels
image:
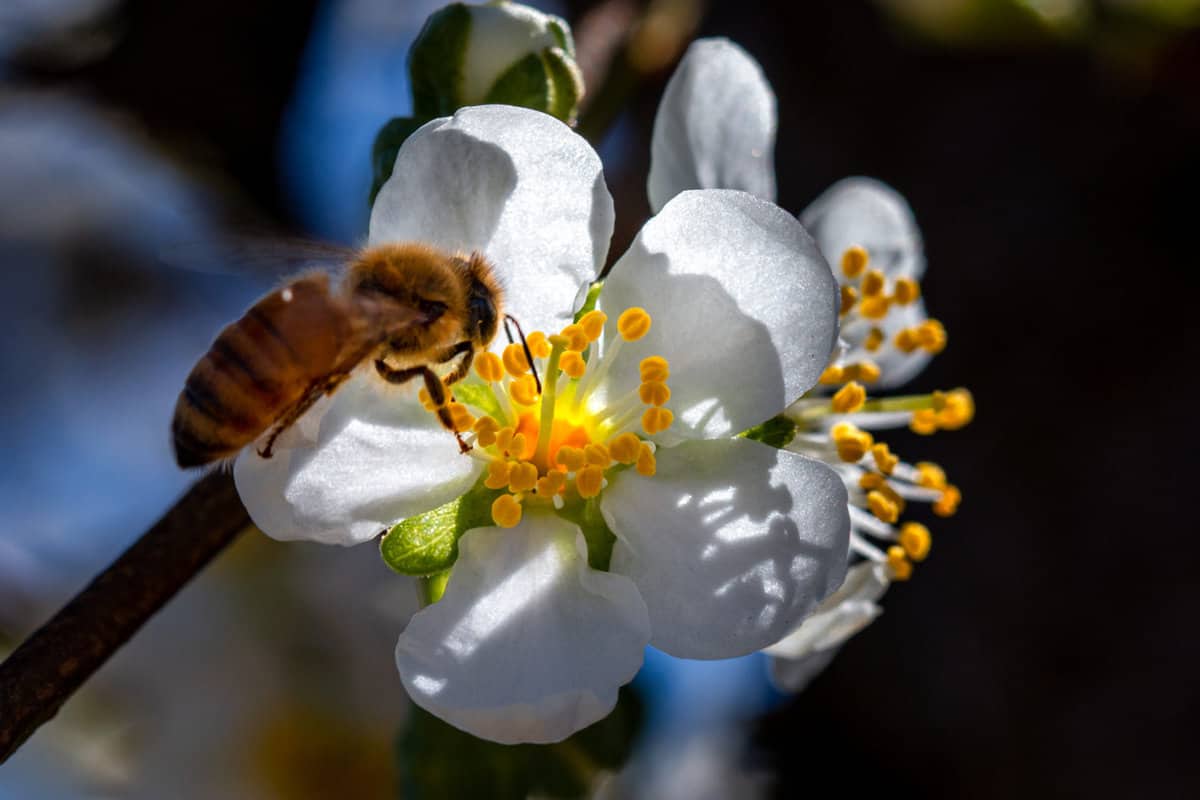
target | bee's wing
[{"x": 258, "y": 255}]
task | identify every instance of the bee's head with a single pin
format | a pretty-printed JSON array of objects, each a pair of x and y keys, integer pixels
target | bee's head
[{"x": 484, "y": 298}]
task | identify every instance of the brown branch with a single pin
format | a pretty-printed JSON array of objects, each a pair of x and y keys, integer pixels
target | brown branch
[{"x": 57, "y": 658}]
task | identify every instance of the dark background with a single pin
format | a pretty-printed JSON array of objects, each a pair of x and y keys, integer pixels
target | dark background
[{"x": 1048, "y": 647}]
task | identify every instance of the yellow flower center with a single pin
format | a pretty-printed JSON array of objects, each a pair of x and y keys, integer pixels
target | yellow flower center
[{"x": 555, "y": 446}]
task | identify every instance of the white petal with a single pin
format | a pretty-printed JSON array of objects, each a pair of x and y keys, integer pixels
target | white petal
[
  {"x": 715, "y": 127},
  {"x": 743, "y": 307},
  {"x": 369, "y": 458},
  {"x": 895, "y": 366},
  {"x": 516, "y": 185},
  {"x": 732, "y": 543},
  {"x": 501, "y": 35},
  {"x": 872, "y": 215},
  {"x": 529, "y": 644},
  {"x": 793, "y": 674},
  {"x": 844, "y": 613}
]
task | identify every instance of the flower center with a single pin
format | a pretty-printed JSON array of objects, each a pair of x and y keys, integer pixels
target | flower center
[{"x": 558, "y": 446}]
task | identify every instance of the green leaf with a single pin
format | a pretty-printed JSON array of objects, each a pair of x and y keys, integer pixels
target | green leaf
[
  {"x": 428, "y": 543},
  {"x": 600, "y": 539},
  {"x": 435, "y": 62},
  {"x": 387, "y": 145},
  {"x": 777, "y": 432},
  {"x": 525, "y": 83},
  {"x": 567, "y": 83},
  {"x": 436, "y": 760}
]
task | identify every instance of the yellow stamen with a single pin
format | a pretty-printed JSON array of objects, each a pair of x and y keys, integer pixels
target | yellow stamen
[
  {"x": 577, "y": 340},
  {"x": 854, "y": 261},
  {"x": 589, "y": 481},
  {"x": 522, "y": 477},
  {"x": 489, "y": 367},
  {"x": 906, "y": 340},
  {"x": 515, "y": 361},
  {"x": 485, "y": 430},
  {"x": 898, "y": 563},
  {"x": 571, "y": 458},
  {"x": 625, "y": 448},
  {"x": 851, "y": 442},
  {"x": 654, "y": 393},
  {"x": 593, "y": 324},
  {"x": 831, "y": 376},
  {"x": 931, "y": 336},
  {"x": 916, "y": 541},
  {"x": 654, "y": 368},
  {"x": 947, "y": 504},
  {"x": 572, "y": 364},
  {"x": 849, "y": 298},
  {"x": 646, "y": 463},
  {"x": 849, "y": 398},
  {"x": 871, "y": 480},
  {"x": 864, "y": 371},
  {"x": 538, "y": 344},
  {"x": 881, "y": 506},
  {"x": 657, "y": 419},
  {"x": 924, "y": 421},
  {"x": 873, "y": 283},
  {"x": 460, "y": 417},
  {"x": 875, "y": 307},
  {"x": 905, "y": 291},
  {"x": 524, "y": 390},
  {"x": 597, "y": 455},
  {"x": 506, "y": 511},
  {"x": 874, "y": 340},
  {"x": 930, "y": 475},
  {"x": 552, "y": 483},
  {"x": 498, "y": 472},
  {"x": 633, "y": 324},
  {"x": 957, "y": 409},
  {"x": 884, "y": 460}
]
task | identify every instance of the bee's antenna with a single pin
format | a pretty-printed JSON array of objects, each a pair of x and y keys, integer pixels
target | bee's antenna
[{"x": 528, "y": 353}]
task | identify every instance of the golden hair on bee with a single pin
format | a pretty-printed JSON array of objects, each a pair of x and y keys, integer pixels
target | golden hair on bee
[{"x": 407, "y": 306}]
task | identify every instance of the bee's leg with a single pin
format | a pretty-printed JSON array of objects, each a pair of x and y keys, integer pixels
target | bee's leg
[
  {"x": 467, "y": 351},
  {"x": 316, "y": 391},
  {"x": 433, "y": 385}
]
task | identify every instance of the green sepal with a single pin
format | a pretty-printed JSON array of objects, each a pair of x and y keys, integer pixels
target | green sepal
[
  {"x": 600, "y": 539},
  {"x": 562, "y": 35},
  {"x": 566, "y": 82},
  {"x": 387, "y": 145},
  {"x": 436, "y": 61},
  {"x": 436, "y": 760},
  {"x": 525, "y": 84},
  {"x": 428, "y": 543},
  {"x": 777, "y": 432}
]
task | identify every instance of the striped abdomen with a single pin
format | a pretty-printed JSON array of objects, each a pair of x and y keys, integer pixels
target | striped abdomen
[{"x": 260, "y": 367}]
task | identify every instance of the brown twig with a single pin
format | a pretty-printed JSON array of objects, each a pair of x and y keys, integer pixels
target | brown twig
[{"x": 57, "y": 658}]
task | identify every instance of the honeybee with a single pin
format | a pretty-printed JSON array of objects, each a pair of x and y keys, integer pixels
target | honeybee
[{"x": 406, "y": 306}]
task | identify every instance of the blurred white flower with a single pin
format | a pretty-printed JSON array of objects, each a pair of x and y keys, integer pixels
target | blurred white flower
[{"x": 618, "y": 521}]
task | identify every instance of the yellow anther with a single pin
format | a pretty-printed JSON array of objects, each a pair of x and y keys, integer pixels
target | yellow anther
[
  {"x": 577, "y": 340},
  {"x": 854, "y": 261},
  {"x": 571, "y": 458},
  {"x": 849, "y": 398},
  {"x": 931, "y": 336},
  {"x": 646, "y": 463},
  {"x": 851, "y": 442},
  {"x": 884, "y": 460},
  {"x": 460, "y": 418},
  {"x": 625, "y": 448},
  {"x": 882, "y": 507},
  {"x": 924, "y": 422},
  {"x": 589, "y": 481},
  {"x": 905, "y": 291},
  {"x": 958, "y": 409},
  {"x": 906, "y": 340},
  {"x": 657, "y": 419},
  {"x": 572, "y": 364},
  {"x": 875, "y": 307},
  {"x": 538, "y": 344},
  {"x": 930, "y": 475},
  {"x": 489, "y": 367},
  {"x": 593, "y": 324},
  {"x": 517, "y": 447},
  {"x": 425, "y": 400},
  {"x": 506, "y": 511},
  {"x": 873, "y": 283},
  {"x": 892, "y": 496},
  {"x": 871, "y": 480},
  {"x": 654, "y": 368},
  {"x": 552, "y": 483},
  {"x": 633, "y": 324},
  {"x": 916, "y": 541},
  {"x": 504, "y": 438},
  {"x": 485, "y": 430},
  {"x": 522, "y": 477},
  {"x": 524, "y": 390},
  {"x": 874, "y": 340},
  {"x": 849, "y": 298},
  {"x": 597, "y": 455},
  {"x": 654, "y": 393},
  {"x": 498, "y": 472},
  {"x": 515, "y": 361},
  {"x": 947, "y": 504},
  {"x": 832, "y": 375},
  {"x": 864, "y": 371},
  {"x": 898, "y": 563},
  {"x": 510, "y": 443}
]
